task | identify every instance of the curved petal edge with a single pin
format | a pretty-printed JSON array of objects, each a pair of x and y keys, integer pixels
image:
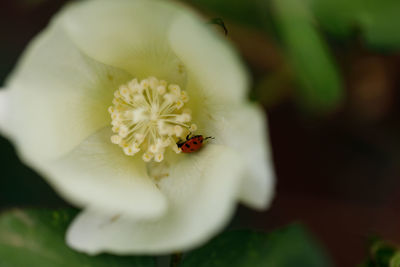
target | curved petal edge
[{"x": 200, "y": 205}]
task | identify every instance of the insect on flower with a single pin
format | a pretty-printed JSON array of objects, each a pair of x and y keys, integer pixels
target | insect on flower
[{"x": 192, "y": 144}]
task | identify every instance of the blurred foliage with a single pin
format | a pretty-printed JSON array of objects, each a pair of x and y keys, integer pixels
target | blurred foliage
[
  {"x": 306, "y": 51},
  {"x": 36, "y": 238},
  {"x": 320, "y": 84},
  {"x": 382, "y": 254},
  {"x": 289, "y": 247},
  {"x": 336, "y": 17},
  {"x": 378, "y": 21},
  {"x": 297, "y": 25}
]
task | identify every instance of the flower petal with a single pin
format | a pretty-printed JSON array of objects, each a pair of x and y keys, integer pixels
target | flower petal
[
  {"x": 244, "y": 129},
  {"x": 202, "y": 192},
  {"x": 58, "y": 96},
  {"x": 130, "y": 35},
  {"x": 210, "y": 60},
  {"x": 98, "y": 174}
]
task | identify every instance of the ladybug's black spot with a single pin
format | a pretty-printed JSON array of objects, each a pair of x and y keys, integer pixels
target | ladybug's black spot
[
  {"x": 187, "y": 145},
  {"x": 194, "y": 142},
  {"x": 201, "y": 140}
]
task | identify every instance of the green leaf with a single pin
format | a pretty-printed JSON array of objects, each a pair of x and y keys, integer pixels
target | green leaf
[
  {"x": 395, "y": 261},
  {"x": 320, "y": 83},
  {"x": 289, "y": 247},
  {"x": 338, "y": 17},
  {"x": 379, "y": 21},
  {"x": 36, "y": 238},
  {"x": 382, "y": 253}
]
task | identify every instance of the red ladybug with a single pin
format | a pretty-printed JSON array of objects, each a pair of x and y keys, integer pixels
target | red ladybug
[{"x": 192, "y": 144}]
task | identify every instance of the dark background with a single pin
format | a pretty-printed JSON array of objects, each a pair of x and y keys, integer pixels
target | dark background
[{"x": 337, "y": 170}]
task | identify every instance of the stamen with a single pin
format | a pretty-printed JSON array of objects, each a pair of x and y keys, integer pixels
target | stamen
[
  {"x": 149, "y": 116},
  {"x": 116, "y": 139}
]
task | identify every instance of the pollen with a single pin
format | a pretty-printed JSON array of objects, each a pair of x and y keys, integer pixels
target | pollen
[{"x": 149, "y": 116}]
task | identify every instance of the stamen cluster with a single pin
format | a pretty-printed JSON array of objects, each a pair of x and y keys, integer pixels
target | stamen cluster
[{"x": 149, "y": 116}]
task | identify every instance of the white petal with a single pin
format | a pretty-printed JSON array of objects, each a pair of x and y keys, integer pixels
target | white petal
[
  {"x": 58, "y": 96},
  {"x": 202, "y": 192},
  {"x": 210, "y": 60},
  {"x": 244, "y": 129},
  {"x": 97, "y": 174},
  {"x": 130, "y": 35}
]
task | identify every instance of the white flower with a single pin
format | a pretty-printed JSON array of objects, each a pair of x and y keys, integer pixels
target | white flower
[{"x": 159, "y": 72}]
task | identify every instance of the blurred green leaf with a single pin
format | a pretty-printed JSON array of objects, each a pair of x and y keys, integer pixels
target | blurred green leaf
[
  {"x": 320, "y": 83},
  {"x": 36, "y": 238},
  {"x": 395, "y": 261},
  {"x": 321, "y": 87},
  {"x": 289, "y": 247},
  {"x": 338, "y": 17},
  {"x": 382, "y": 253},
  {"x": 380, "y": 21}
]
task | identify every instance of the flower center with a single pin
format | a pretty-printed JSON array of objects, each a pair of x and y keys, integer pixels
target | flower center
[{"x": 149, "y": 116}]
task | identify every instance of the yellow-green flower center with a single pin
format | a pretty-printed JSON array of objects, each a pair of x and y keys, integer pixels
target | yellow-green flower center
[{"x": 149, "y": 116}]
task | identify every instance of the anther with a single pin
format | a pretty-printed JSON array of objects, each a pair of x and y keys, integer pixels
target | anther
[{"x": 149, "y": 116}]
